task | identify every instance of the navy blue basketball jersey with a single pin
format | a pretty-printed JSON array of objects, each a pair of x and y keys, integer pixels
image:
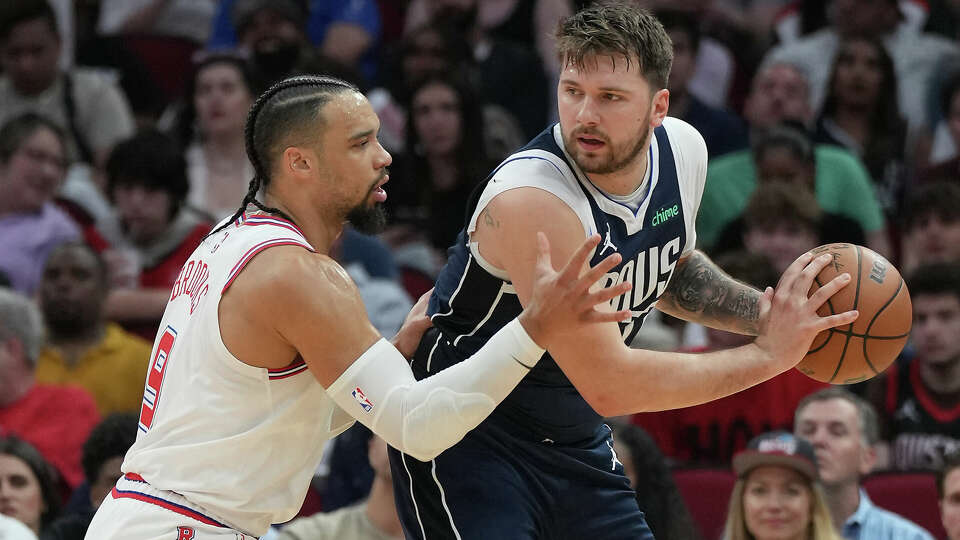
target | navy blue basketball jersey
[{"x": 473, "y": 299}]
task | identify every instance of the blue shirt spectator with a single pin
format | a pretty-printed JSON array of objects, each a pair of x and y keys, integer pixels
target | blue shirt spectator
[
  {"x": 322, "y": 16},
  {"x": 870, "y": 522}
]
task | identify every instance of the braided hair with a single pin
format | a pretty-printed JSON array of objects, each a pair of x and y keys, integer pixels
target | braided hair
[{"x": 285, "y": 108}]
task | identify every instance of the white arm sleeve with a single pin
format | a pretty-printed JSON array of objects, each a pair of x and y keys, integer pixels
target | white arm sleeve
[{"x": 424, "y": 418}]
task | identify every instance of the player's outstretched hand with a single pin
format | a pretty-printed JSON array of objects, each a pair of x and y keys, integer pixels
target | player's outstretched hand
[
  {"x": 789, "y": 318},
  {"x": 562, "y": 300},
  {"x": 414, "y": 325}
]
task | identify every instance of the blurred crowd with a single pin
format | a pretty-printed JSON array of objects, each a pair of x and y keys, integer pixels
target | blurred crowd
[{"x": 122, "y": 144}]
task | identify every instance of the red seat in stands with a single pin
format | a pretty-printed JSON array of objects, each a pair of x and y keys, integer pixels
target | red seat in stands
[
  {"x": 912, "y": 495},
  {"x": 707, "y": 494}
]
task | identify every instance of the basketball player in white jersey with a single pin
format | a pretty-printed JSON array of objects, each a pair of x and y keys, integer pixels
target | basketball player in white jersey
[
  {"x": 542, "y": 465},
  {"x": 265, "y": 350}
]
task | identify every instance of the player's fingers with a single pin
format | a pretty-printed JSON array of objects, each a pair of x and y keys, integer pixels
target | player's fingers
[
  {"x": 579, "y": 258},
  {"x": 766, "y": 302},
  {"x": 801, "y": 285},
  {"x": 790, "y": 274},
  {"x": 839, "y": 319},
  {"x": 604, "y": 295},
  {"x": 594, "y": 315},
  {"x": 824, "y": 293},
  {"x": 594, "y": 274},
  {"x": 544, "y": 264}
]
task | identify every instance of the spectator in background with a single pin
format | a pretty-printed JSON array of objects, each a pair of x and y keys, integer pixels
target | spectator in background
[
  {"x": 32, "y": 164},
  {"x": 147, "y": 181},
  {"x": 434, "y": 179},
  {"x": 344, "y": 31},
  {"x": 93, "y": 109},
  {"x": 783, "y": 214},
  {"x": 508, "y": 73},
  {"x": 711, "y": 433},
  {"x": 722, "y": 131},
  {"x": 436, "y": 49},
  {"x": 778, "y": 95},
  {"x": 650, "y": 477},
  {"x": 28, "y": 488},
  {"x": 82, "y": 348},
  {"x": 931, "y": 225},
  {"x": 102, "y": 456},
  {"x": 186, "y": 19},
  {"x": 920, "y": 399},
  {"x": 430, "y": 49},
  {"x": 916, "y": 56},
  {"x": 778, "y": 493},
  {"x": 861, "y": 114},
  {"x": 944, "y": 161},
  {"x": 948, "y": 490},
  {"x": 843, "y": 430},
  {"x": 210, "y": 127},
  {"x": 529, "y": 23},
  {"x": 55, "y": 419},
  {"x": 375, "y": 518}
]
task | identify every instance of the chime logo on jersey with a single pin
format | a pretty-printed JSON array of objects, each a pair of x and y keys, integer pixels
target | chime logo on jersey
[{"x": 362, "y": 399}]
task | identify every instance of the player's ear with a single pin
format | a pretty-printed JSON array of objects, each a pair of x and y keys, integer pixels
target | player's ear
[
  {"x": 659, "y": 106},
  {"x": 297, "y": 162}
]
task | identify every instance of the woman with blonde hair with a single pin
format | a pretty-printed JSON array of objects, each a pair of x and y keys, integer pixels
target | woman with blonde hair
[{"x": 777, "y": 494}]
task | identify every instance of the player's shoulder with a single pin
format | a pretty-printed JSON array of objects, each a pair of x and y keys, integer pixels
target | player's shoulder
[
  {"x": 290, "y": 275},
  {"x": 684, "y": 136},
  {"x": 531, "y": 165}
]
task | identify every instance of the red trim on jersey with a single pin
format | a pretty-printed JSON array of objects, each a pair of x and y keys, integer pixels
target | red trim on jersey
[
  {"x": 257, "y": 249},
  {"x": 268, "y": 219},
  {"x": 297, "y": 366},
  {"x": 923, "y": 396},
  {"x": 263, "y": 220},
  {"x": 135, "y": 477},
  {"x": 163, "y": 503}
]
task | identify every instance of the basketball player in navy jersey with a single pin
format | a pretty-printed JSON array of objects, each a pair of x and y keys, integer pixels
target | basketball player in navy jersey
[{"x": 542, "y": 464}]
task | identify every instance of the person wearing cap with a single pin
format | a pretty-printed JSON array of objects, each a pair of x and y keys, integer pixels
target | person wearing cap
[
  {"x": 778, "y": 493},
  {"x": 842, "y": 427}
]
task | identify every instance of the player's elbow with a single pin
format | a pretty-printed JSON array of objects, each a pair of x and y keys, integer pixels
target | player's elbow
[{"x": 604, "y": 403}]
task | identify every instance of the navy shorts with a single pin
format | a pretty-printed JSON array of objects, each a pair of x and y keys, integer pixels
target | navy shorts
[{"x": 495, "y": 485}]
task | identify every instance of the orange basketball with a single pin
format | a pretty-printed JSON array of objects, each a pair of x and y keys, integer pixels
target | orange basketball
[{"x": 858, "y": 351}]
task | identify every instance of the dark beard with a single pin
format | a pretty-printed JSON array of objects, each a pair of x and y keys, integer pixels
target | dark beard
[
  {"x": 368, "y": 219},
  {"x": 615, "y": 166}
]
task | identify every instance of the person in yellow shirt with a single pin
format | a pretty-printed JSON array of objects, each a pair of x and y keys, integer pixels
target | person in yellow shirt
[{"x": 82, "y": 347}]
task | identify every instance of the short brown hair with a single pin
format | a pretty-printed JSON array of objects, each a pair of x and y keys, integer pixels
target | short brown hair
[
  {"x": 780, "y": 202},
  {"x": 617, "y": 28}
]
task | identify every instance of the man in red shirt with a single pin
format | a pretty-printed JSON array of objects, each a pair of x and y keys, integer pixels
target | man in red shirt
[{"x": 54, "y": 419}]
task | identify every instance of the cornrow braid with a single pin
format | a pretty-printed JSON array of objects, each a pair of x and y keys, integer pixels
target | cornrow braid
[{"x": 288, "y": 104}]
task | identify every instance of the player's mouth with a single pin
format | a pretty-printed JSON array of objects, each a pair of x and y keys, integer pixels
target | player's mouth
[
  {"x": 590, "y": 144},
  {"x": 380, "y": 194}
]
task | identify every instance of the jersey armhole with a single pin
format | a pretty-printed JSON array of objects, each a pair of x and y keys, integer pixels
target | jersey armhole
[
  {"x": 214, "y": 320},
  {"x": 474, "y": 247}
]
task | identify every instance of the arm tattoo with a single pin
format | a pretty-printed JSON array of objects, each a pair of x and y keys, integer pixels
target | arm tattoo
[{"x": 700, "y": 292}]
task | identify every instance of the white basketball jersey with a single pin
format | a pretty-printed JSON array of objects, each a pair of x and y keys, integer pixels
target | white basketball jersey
[{"x": 238, "y": 442}]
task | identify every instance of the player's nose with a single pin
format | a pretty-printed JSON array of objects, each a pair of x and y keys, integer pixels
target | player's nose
[{"x": 587, "y": 113}]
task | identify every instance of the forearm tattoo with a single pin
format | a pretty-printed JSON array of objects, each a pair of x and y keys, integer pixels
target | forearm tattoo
[{"x": 699, "y": 291}]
